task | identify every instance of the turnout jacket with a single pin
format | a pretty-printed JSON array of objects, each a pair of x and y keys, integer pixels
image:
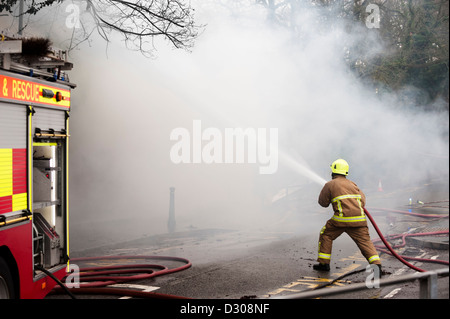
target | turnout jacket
[{"x": 347, "y": 201}]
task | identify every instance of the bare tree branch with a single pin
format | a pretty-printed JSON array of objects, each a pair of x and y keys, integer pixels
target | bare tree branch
[
  {"x": 139, "y": 22},
  {"x": 142, "y": 20}
]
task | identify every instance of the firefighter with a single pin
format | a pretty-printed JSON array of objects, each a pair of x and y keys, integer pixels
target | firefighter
[{"x": 348, "y": 203}]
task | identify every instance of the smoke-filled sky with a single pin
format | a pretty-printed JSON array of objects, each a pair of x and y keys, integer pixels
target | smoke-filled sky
[{"x": 245, "y": 73}]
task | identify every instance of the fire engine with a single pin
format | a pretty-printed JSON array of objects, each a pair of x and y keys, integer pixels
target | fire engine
[{"x": 35, "y": 100}]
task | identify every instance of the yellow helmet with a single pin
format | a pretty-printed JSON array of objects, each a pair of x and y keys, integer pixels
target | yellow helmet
[{"x": 340, "y": 166}]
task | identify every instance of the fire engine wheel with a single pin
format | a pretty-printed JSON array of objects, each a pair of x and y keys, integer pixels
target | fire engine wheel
[{"x": 6, "y": 281}]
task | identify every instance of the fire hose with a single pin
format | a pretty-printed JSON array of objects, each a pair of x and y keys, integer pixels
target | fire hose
[
  {"x": 390, "y": 249},
  {"x": 93, "y": 280},
  {"x": 103, "y": 276},
  {"x": 395, "y": 254},
  {"x": 411, "y": 213}
]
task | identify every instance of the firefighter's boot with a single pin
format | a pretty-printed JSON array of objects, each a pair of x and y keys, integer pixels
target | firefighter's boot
[
  {"x": 321, "y": 267},
  {"x": 380, "y": 269}
]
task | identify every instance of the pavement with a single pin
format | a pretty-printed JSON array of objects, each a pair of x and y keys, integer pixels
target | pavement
[
  {"x": 434, "y": 242},
  {"x": 231, "y": 264},
  {"x": 276, "y": 262}
]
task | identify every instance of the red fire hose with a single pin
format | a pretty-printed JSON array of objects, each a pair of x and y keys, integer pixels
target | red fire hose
[
  {"x": 411, "y": 213},
  {"x": 93, "y": 280},
  {"x": 393, "y": 252},
  {"x": 107, "y": 275}
]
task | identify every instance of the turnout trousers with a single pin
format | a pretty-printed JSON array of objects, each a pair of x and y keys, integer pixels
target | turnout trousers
[{"x": 360, "y": 236}]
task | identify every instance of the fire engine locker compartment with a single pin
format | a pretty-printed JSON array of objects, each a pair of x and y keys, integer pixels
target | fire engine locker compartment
[
  {"x": 48, "y": 244},
  {"x": 49, "y": 187},
  {"x": 45, "y": 176},
  {"x": 49, "y": 192}
]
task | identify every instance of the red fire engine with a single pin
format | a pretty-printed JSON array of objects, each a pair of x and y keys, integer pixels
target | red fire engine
[{"x": 35, "y": 100}]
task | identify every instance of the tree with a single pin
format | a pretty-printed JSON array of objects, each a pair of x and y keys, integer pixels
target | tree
[
  {"x": 139, "y": 22},
  {"x": 418, "y": 34},
  {"x": 414, "y": 35},
  {"x": 31, "y": 8}
]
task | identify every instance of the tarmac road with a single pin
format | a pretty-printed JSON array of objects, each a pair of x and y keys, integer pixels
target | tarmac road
[
  {"x": 271, "y": 263},
  {"x": 234, "y": 265}
]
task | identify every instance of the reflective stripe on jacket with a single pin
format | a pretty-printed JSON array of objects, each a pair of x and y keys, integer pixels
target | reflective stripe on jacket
[{"x": 347, "y": 200}]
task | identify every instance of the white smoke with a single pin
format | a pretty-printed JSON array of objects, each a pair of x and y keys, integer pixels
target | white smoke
[{"x": 242, "y": 72}]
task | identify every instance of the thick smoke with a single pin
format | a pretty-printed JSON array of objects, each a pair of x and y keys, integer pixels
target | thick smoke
[{"x": 243, "y": 72}]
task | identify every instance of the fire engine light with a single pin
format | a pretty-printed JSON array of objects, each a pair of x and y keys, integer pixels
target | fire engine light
[
  {"x": 47, "y": 93},
  {"x": 59, "y": 96}
]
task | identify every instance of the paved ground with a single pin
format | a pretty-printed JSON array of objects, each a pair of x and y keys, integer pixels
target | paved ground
[
  {"x": 233, "y": 265},
  {"x": 267, "y": 263}
]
